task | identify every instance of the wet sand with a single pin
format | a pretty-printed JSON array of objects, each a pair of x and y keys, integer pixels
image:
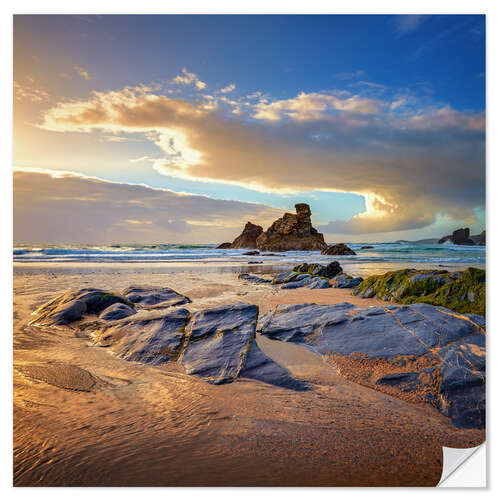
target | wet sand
[{"x": 84, "y": 417}]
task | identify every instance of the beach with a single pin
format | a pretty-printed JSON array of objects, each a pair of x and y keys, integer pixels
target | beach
[{"x": 93, "y": 418}]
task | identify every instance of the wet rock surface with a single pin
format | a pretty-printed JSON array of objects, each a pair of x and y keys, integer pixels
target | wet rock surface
[
  {"x": 71, "y": 306},
  {"x": 147, "y": 337},
  {"x": 154, "y": 297},
  {"x": 252, "y": 278},
  {"x": 433, "y": 353},
  {"x": 117, "y": 311},
  {"x": 346, "y": 281}
]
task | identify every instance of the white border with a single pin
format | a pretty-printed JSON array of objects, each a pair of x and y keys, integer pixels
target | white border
[{"x": 491, "y": 8}]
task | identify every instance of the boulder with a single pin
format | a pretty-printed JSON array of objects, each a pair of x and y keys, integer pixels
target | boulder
[
  {"x": 253, "y": 252},
  {"x": 116, "y": 311},
  {"x": 346, "y": 281},
  {"x": 459, "y": 237},
  {"x": 224, "y": 246},
  {"x": 154, "y": 297},
  {"x": 254, "y": 279},
  {"x": 292, "y": 232},
  {"x": 71, "y": 306},
  {"x": 420, "y": 353},
  {"x": 338, "y": 249},
  {"x": 366, "y": 247},
  {"x": 460, "y": 291},
  {"x": 329, "y": 271},
  {"x": 147, "y": 337},
  {"x": 248, "y": 238}
]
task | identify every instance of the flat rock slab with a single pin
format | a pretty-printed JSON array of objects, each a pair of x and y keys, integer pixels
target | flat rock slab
[
  {"x": 446, "y": 348},
  {"x": 219, "y": 339},
  {"x": 154, "y": 297},
  {"x": 147, "y": 337},
  {"x": 71, "y": 306},
  {"x": 60, "y": 375}
]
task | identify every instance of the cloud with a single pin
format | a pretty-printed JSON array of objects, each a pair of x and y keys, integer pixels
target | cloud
[
  {"x": 229, "y": 88},
  {"x": 370, "y": 84},
  {"x": 406, "y": 24},
  {"x": 29, "y": 93},
  {"x": 187, "y": 78},
  {"x": 314, "y": 106},
  {"x": 62, "y": 207},
  {"x": 350, "y": 75},
  {"x": 82, "y": 72},
  {"x": 410, "y": 166}
]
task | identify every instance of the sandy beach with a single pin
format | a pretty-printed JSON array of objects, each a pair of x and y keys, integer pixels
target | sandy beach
[{"x": 87, "y": 417}]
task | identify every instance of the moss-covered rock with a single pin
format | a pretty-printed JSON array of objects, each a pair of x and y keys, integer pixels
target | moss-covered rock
[{"x": 461, "y": 291}]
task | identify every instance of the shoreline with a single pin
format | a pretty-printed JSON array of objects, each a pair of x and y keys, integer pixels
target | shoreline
[{"x": 337, "y": 433}]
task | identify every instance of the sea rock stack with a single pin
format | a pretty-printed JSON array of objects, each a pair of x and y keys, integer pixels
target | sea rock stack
[
  {"x": 459, "y": 237},
  {"x": 248, "y": 238},
  {"x": 292, "y": 232}
]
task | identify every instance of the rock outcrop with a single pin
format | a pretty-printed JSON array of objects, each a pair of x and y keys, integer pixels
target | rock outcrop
[
  {"x": 460, "y": 291},
  {"x": 479, "y": 239},
  {"x": 420, "y": 353},
  {"x": 154, "y": 297},
  {"x": 248, "y": 238},
  {"x": 459, "y": 237},
  {"x": 72, "y": 305},
  {"x": 338, "y": 249},
  {"x": 224, "y": 246},
  {"x": 292, "y": 232},
  {"x": 329, "y": 271}
]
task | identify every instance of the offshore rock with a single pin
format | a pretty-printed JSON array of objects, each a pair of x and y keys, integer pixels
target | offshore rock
[
  {"x": 338, "y": 249},
  {"x": 459, "y": 237},
  {"x": 292, "y": 232},
  {"x": 248, "y": 238}
]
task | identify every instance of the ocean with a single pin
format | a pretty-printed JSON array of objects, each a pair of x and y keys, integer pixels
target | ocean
[{"x": 381, "y": 256}]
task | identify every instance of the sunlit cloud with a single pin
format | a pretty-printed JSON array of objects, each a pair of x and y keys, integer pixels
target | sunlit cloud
[
  {"x": 410, "y": 166},
  {"x": 229, "y": 88},
  {"x": 82, "y": 72},
  {"x": 187, "y": 78},
  {"x": 29, "y": 93}
]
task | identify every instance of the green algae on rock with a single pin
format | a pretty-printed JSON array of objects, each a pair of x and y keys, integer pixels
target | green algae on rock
[{"x": 460, "y": 291}]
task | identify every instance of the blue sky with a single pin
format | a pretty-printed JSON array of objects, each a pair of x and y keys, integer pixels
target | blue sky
[{"x": 348, "y": 98}]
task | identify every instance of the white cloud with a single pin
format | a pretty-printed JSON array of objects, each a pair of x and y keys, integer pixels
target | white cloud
[
  {"x": 227, "y": 89},
  {"x": 187, "y": 78}
]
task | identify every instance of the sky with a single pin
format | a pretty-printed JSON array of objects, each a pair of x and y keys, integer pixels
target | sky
[{"x": 179, "y": 129}]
